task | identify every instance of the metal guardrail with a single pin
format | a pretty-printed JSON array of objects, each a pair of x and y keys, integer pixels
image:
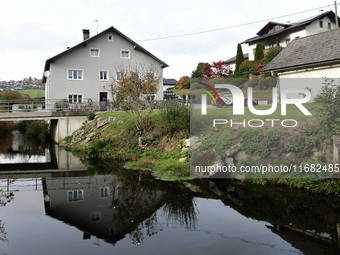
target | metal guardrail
[
  {"x": 43, "y": 105},
  {"x": 53, "y": 105}
]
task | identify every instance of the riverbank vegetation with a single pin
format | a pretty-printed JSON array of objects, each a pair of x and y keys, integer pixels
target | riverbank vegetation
[
  {"x": 160, "y": 143},
  {"x": 157, "y": 147},
  {"x": 160, "y": 146}
]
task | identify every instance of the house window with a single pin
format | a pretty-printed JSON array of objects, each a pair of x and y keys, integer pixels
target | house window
[
  {"x": 103, "y": 75},
  {"x": 75, "y": 98},
  {"x": 75, "y": 195},
  {"x": 119, "y": 75},
  {"x": 110, "y": 38},
  {"x": 95, "y": 216},
  {"x": 104, "y": 192},
  {"x": 329, "y": 25},
  {"x": 321, "y": 24},
  {"x": 125, "y": 54},
  {"x": 94, "y": 53},
  {"x": 75, "y": 74}
]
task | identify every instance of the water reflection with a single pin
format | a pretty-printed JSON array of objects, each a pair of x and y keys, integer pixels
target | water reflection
[
  {"x": 129, "y": 209},
  {"x": 6, "y": 196},
  {"x": 109, "y": 207},
  {"x": 135, "y": 207},
  {"x": 16, "y": 148},
  {"x": 24, "y": 155}
]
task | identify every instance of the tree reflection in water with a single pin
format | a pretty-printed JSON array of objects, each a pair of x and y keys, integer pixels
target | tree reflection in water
[
  {"x": 5, "y": 198},
  {"x": 181, "y": 210},
  {"x": 136, "y": 209}
]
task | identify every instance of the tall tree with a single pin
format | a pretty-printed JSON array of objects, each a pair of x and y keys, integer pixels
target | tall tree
[
  {"x": 182, "y": 80},
  {"x": 198, "y": 73},
  {"x": 239, "y": 59},
  {"x": 217, "y": 69},
  {"x": 259, "y": 52}
]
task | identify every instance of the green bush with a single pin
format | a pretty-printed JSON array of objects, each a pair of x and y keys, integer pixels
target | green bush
[
  {"x": 272, "y": 82},
  {"x": 311, "y": 141},
  {"x": 311, "y": 130},
  {"x": 328, "y": 112},
  {"x": 301, "y": 150},
  {"x": 235, "y": 81},
  {"x": 195, "y": 85},
  {"x": 272, "y": 53},
  {"x": 94, "y": 149},
  {"x": 267, "y": 74},
  {"x": 246, "y": 66},
  {"x": 10, "y": 95},
  {"x": 63, "y": 101},
  {"x": 254, "y": 82},
  {"x": 175, "y": 116},
  {"x": 186, "y": 85},
  {"x": 90, "y": 115},
  {"x": 264, "y": 83}
]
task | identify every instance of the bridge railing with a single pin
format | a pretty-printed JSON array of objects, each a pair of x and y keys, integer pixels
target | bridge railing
[
  {"x": 48, "y": 105},
  {"x": 42, "y": 105}
]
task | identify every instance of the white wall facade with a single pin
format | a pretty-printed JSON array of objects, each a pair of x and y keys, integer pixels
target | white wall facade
[
  {"x": 314, "y": 27},
  {"x": 312, "y": 78},
  {"x": 59, "y": 86}
]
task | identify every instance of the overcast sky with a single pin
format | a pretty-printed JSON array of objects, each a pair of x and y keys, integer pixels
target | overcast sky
[{"x": 35, "y": 30}]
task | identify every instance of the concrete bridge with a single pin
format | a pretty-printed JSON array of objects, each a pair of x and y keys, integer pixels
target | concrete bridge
[{"x": 64, "y": 118}]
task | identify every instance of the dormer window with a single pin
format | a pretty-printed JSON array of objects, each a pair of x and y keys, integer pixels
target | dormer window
[
  {"x": 271, "y": 27},
  {"x": 94, "y": 53}
]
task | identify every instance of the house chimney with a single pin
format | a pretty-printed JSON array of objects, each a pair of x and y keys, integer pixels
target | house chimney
[{"x": 86, "y": 34}]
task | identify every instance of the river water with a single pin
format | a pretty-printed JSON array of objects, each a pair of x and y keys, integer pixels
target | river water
[{"x": 54, "y": 203}]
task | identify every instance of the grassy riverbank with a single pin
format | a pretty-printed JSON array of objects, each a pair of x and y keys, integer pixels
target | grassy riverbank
[
  {"x": 160, "y": 147},
  {"x": 157, "y": 148}
]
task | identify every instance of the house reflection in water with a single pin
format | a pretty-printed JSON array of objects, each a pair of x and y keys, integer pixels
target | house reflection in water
[{"x": 103, "y": 206}]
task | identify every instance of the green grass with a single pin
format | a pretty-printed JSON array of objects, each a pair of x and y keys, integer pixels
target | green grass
[
  {"x": 164, "y": 165},
  {"x": 33, "y": 93},
  {"x": 261, "y": 95},
  {"x": 181, "y": 91}
]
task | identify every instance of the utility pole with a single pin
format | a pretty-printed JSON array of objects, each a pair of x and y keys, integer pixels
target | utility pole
[{"x": 336, "y": 16}]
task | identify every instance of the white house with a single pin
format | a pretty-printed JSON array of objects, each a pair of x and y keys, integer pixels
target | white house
[
  {"x": 84, "y": 71},
  {"x": 281, "y": 34},
  {"x": 232, "y": 61},
  {"x": 306, "y": 61},
  {"x": 169, "y": 83}
]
